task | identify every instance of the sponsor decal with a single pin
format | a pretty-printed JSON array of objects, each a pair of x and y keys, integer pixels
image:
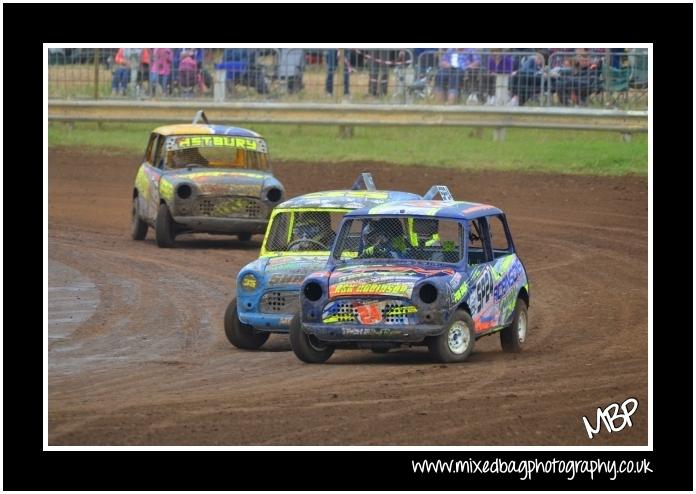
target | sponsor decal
[
  {"x": 367, "y": 313},
  {"x": 249, "y": 281},
  {"x": 459, "y": 293},
  {"x": 230, "y": 189},
  {"x": 213, "y": 141},
  {"x": 454, "y": 281},
  {"x": 507, "y": 281},
  {"x": 286, "y": 279},
  {"x": 394, "y": 289}
]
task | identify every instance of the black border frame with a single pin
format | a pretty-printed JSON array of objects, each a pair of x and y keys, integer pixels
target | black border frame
[{"x": 27, "y": 467}]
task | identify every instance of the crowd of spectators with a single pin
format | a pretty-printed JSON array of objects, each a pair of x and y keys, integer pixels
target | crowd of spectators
[{"x": 454, "y": 75}]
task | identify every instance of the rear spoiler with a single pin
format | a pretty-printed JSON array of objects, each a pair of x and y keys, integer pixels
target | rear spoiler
[
  {"x": 200, "y": 115},
  {"x": 364, "y": 181},
  {"x": 444, "y": 192}
]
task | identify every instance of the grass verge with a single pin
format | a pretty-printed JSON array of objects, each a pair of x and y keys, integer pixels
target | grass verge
[{"x": 558, "y": 151}]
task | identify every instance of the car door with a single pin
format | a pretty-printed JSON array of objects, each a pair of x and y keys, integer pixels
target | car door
[
  {"x": 153, "y": 167},
  {"x": 505, "y": 268},
  {"x": 480, "y": 281}
]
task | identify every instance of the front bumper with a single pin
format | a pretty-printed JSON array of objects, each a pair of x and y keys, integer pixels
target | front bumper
[
  {"x": 205, "y": 224},
  {"x": 273, "y": 323},
  {"x": 378, "y": 332}
]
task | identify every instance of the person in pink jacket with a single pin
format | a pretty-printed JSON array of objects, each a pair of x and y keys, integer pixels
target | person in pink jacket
[{"x": 161, "y": 70}]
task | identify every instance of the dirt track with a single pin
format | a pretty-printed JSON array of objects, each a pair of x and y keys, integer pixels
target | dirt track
[{"x": 144, "y": 360}]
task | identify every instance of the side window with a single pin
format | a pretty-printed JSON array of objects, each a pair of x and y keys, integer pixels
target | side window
[
  {"x": 278, "y": 235},
  {"x": 500, "y": 242},
  {"x": 148, "y": 149},
  {"x": 158, "y": 160},
  {"x": 475, "y": 247}
]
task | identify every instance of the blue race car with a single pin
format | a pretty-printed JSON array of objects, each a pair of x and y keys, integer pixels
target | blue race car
[
  {"x": 440, "y": 273},
  {"x": 298, "y": 240}
]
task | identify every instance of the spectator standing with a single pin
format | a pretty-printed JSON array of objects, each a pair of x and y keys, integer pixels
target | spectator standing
[
  {"x": 144, "y": 72},
  {"x": 133, "y": 56},
  {"x": 331, "y": 65},
  {"x": 457, "y": 66},
  {"x": 121, "y": 74},
  {"x": 379, "y": 72},
  {"x": 188, "y": 71},
  {"x": 162, "y": 69}
]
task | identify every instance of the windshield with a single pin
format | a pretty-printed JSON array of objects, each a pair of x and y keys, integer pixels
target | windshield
[
  {"x": 303, "y": 230},
  {"x": 418, "y": 239},
  {"x": 216, "y": 152}
]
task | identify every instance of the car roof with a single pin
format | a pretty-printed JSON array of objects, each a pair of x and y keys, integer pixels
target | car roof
[
  {"x": 205, "y": 129},
  {"x": 348, "y": 199},
  {"x": 459, "y": 210}
]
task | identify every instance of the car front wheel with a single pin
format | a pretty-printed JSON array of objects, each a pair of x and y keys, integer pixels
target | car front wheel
[
  {"x": 307, "y": 348},
  {"x": 457, "y": 343},
  {"x": 239, "y": 334},
  {"x": 512, "y": 338},
  {"x": 164, "y": 227}
]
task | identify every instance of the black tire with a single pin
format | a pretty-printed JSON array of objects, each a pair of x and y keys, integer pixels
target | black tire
[
  {"x": 242, "y": 335},
  {"x": 306, "y": 347},
  {"x": 164, "y": 227},
  {"x": 244, "y": 237},
  {"x": 380, "y": 350},
  {"x": 138, "y": 226},
  {"x": 457, "y": 343},
  {"x": 512, "y": 338}
]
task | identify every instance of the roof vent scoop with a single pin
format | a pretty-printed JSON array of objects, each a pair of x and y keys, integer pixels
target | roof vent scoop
[
  {"x": 200, "y": 115},
  {"x": 442, "y": 190},
  {"x": 364, "y": 181}
]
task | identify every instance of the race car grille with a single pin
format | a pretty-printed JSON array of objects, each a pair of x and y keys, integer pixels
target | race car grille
[
  {"x": 280, "y": 302},
  {"x": 226, "y": 207},
  {"x": 392, "y": 312}
]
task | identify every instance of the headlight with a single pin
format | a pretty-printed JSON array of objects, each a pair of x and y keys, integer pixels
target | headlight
[
  {"x": 274, "y": 194},
  {"x": 313, "y": 291},
  {"x": 184, "y": 191},
  {"x": 428, "y": 293},
  {"x": 249, "y": 282}
]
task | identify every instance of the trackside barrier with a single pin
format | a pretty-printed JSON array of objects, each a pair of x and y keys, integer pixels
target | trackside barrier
[{"x": 349, "y": 115}]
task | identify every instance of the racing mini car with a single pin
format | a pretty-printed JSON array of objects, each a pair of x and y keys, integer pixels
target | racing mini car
[
  {"x": 440, "y": 273},
  {"x": 202, "y": 178},
  {"x": 297, "y": 242}
]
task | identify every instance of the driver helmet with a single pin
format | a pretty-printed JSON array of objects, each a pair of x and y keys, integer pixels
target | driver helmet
[
  {"x": 382, "y": 230},
  {"x": 185, "y": 157},
  {"x": 312, "y": 227}
]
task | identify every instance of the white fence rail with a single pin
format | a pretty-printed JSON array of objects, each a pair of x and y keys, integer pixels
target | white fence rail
[{"x": 350, "y": 115}]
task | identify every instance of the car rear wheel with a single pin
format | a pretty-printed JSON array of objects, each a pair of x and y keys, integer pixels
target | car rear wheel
[
  {"x": 457, "y": 343},
  {"x": 138, "y": 226},
  {"x": 164, "y": 227},
  {"x": 244, "y": 237},
  {"x": 239, "y": 334},
  {"x": 512, "y": 338},
  {"x": 307, "y": 348}
]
